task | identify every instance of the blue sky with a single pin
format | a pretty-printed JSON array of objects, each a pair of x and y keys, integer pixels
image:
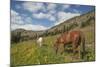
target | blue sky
[{"x": 41, "y": 16}]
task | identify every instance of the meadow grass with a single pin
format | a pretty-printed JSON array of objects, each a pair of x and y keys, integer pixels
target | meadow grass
[{"x": 29, "y": 53}]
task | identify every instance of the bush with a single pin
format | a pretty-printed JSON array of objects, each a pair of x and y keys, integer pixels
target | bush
[{"x": 15, "y": 37}]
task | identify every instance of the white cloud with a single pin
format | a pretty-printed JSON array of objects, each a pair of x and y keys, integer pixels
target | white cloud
[
  {"x": 40, "y": 11},
  {"x": 62, "y": 16},
  {"x": 17, "y": 23},
  {"x": 33, "y": 7},
  {"x": 51, "y": 6},
  {"x": 44, "y": 16},
  {"x": 13, "y": 12},
  {"x": 18, "y": 6},
  {"x": 28, "y": 20},
  {"x": 65, "y": 6},
  {"x": 52, "y": 12},
  {"x": 52, "y": 18},
  {"x": 16, "y": 18},
  {"x": 76, "y": 11},
  {"x": 28, "y": 27}
]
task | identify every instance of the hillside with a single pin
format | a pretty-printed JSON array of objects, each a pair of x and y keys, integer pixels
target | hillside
[{"x": 77, "y": 22}]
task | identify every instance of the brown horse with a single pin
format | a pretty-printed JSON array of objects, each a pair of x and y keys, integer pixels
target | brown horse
[{"x": 74, "y": 38}]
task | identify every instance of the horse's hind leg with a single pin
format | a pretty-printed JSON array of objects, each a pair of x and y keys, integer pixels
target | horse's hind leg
[
  {"x": 76, "y": 50},
  {"x": 73, "y": 48},
  {"x": 79, "y": 52}
]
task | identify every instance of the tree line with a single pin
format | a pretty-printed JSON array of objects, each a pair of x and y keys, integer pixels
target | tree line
[{"x": 16, "y": 37}]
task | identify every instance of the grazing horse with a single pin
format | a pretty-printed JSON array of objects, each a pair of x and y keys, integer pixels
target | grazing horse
[
  {"x": 74, "y": 38},
  {"x": 39, "y": 41}
]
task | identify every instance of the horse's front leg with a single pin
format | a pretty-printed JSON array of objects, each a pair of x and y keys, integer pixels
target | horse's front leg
[
  {"x": 61, "y": 48},
  {"x": 56, "y": 48}
]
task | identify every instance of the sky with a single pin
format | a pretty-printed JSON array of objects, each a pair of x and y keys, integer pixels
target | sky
[{"x": 38, "y": 16}]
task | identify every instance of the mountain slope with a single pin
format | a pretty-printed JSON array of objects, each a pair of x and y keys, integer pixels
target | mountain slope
[
  {"x": 73, "y": 23},
  {"x": 78, "y": 20}
]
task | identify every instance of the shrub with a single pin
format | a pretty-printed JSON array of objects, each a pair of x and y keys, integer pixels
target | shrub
[{"x": 15, "y": 37}]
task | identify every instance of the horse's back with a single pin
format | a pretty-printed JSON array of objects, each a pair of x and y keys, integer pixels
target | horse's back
[{"x": 75, "y": 33}]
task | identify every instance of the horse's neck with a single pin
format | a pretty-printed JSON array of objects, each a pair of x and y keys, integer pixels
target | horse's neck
[{"x": 64, "y": 34}]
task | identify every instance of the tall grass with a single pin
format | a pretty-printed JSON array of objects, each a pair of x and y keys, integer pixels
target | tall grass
[{"x": 29, "y": 53}]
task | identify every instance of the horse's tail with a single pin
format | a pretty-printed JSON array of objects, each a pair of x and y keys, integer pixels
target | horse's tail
[{"x": 83, "y": 47}]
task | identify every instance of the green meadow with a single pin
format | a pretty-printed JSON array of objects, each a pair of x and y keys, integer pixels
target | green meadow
[{"x": 29, "y": 53}]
